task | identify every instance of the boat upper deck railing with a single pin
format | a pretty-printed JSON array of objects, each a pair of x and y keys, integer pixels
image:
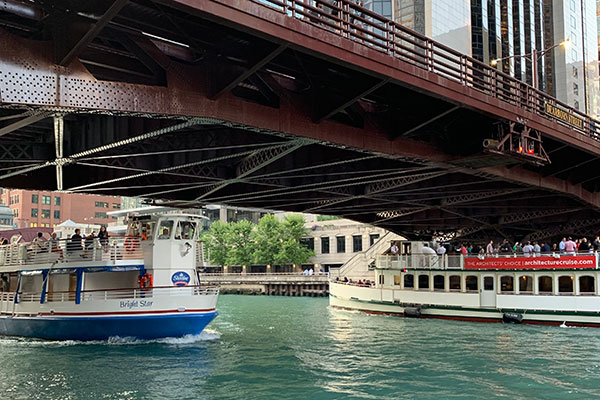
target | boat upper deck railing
[
  {"x": 490, "y": 261},
  {"x": 65, "y": 253},
  {"x": 111, "y": 294},
  {"x": 351, "y": 21}
]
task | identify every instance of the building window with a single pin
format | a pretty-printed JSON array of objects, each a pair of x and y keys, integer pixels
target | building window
[
  {"x": 56, "y": 201},
  {"x": 101, "y": 204},
  {"x": 116, "y": 206},
  {"x": 100, "y": 215},
  {"x": 35, "y": 198},
  {"x": 545, "y": 284},
  {"x": 409, "y": 281},
  {"x": 33, "y": 225},
  {"x": 565, "y": 285},
  {"x": 15, "y": 212},
  {"x": 356, "y": 243},
  {"x": 373, "y": 238},
  {"x": 575, "y": 89},
  {"x": 423, "y": 281},
  {"x": 507, "y": 284},
  {"x": 56, "y": 214},
  {"x": 471, "y": 283},
  {"x": 324, "y": 245},
  {"x": 14, "y": 199},
  {"x": 309, "y": 243},
  {"x": 34, "y": 212},
  {"x": 46, "y": 200},
  {"x": 45, "y": 213},
  {"x": 575, "y": 72},
  {"x": 586, "y": 285},
  {"x": 526, "y": 284},
  {"x": 438, "y": 282},
  {"x": 454, "y": 282},
  {"x": 341, "y": 244}
]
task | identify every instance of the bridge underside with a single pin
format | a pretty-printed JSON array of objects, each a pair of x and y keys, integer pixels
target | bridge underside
[{"x": 97, "y": 101}]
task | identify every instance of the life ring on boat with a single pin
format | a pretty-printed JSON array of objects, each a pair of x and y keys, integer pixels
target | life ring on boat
[
  {"x": 129, "y": 244},
  {"x": 146, "y": 281}
]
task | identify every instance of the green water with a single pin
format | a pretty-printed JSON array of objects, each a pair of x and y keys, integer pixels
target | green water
[{"x": 298, "y": 348}]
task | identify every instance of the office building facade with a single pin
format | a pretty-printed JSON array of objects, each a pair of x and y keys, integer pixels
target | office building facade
[{"x": 43, "y": 209}]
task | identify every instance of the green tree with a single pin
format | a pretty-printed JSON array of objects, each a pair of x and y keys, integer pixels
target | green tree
[
  {"x": 217, "y": 242},
  {"x": 268, "y": 238},
  {"x": 239, "y": 236},
  {"x": 292, "y": 252}
]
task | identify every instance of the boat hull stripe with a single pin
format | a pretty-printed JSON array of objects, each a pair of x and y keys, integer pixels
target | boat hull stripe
[{"x": 86, "y": 314}]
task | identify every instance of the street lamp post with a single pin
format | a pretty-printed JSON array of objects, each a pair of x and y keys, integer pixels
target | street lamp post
[{"x": 534, "y": 57}]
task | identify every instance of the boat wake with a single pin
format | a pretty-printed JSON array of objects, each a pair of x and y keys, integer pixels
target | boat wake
[{"x": 205, "y": 336}]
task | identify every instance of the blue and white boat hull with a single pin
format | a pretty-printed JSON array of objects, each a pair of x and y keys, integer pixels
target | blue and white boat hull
[{"x": 145, "y": 326}]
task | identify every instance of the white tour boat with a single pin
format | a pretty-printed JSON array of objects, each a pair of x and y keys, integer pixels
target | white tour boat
[
  {"x": 142, "y": 285},
  {"x": 551, "y": 289}
]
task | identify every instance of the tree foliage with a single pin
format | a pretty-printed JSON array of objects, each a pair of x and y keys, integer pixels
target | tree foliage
[
  {"x": 268, "y": 242},
  {"x": 240, "y": 243}
]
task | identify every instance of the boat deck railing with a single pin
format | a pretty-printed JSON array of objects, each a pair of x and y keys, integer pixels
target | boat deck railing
[
  {"x": 488, "y": 261},
  {"x": 67, "y": 252},
  {"x": 110, "y": 294}
]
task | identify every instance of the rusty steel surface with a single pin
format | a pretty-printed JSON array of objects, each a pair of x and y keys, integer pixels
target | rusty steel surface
[{"x": 284, "y": 105}]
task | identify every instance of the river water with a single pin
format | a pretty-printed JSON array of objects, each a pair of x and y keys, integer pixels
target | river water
[{"x": 299, "y": 348}]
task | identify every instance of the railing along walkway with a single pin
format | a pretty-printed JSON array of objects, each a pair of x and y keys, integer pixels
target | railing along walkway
[
  {"x": 69, "y": 253},
  {"x": 111, "y": 294},
  {"x": 489, "y": 261},
  {"x": 348, "y": 19}
]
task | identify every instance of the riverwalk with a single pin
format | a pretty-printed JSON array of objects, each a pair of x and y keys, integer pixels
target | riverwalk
[{"x": 270, "y": 283}]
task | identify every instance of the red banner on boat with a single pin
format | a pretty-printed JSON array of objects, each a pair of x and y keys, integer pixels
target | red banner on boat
[{"x": 531, "y": 262}]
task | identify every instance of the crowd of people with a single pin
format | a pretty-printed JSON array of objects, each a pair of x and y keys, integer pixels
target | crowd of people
[
  {"x": 77, "y": 241},
  {"x": 360, "y": 282},
  {"x": 566, "y": 246}
]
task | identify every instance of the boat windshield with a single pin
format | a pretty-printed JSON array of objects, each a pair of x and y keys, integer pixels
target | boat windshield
[
  {"x": 185, "y": 230},
  {"x": 164, "y": 230}
]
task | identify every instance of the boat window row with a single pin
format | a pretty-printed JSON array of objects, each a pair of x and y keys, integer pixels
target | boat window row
[{"x": 565, "y": 283}]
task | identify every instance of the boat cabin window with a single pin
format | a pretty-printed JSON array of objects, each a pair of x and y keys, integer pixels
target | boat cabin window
[
  {"x": 565, "y": 284},
  {"x": 409, "y": 281},
  {"x": 185, "y": 230},
  {"x": 148, "y": 230},
  {"x": 525, "y": 284},
  {"x": 586, "y": 285},
  {"x": 423, "y": 281},
  {"x": 545, "y": 284},
  {"x": 471, "y": 283},
  {"x": 454, "y": 282},
  {"x": 164, "y": 230},
  {"x": 438, "y": 282},
  {"x": 507, "y": 284},
  {"x": 397, "y": 280},
  {"x": 488, "y": 283},
  {"x": 381, "y": 279}
]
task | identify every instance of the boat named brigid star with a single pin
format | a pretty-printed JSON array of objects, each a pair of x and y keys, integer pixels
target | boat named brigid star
[
  {"x": 143, "y": 285},
  {"x": 551, "y": 289}
]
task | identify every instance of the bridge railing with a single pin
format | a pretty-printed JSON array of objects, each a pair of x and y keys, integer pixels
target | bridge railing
[{"x": 356, "y": 23}]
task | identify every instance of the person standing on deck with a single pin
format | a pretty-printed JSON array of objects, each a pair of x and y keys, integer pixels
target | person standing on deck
[{"x": 489, "y": 250}]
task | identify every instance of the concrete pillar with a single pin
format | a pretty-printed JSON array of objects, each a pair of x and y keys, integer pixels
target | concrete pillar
[
  {"x": 243, "y": 270},
  {"x": 223, "y": 214},
  {"x": 225, "y": 269}
]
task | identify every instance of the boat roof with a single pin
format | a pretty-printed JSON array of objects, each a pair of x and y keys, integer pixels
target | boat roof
[{"x": 153, "y": 210}]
